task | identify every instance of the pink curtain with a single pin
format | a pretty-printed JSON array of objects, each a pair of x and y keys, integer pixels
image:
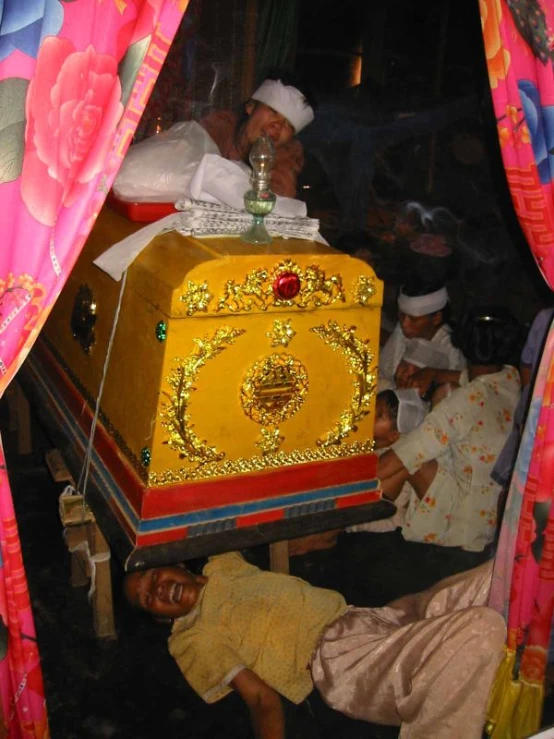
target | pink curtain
[
  {"x": 75, "y": 76},
  {"x": 518, "y": 48}
]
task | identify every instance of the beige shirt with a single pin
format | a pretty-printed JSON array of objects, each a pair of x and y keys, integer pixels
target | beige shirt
[
  {"x": 265, "y": 621},
  {"x": 465, "y": 433}
]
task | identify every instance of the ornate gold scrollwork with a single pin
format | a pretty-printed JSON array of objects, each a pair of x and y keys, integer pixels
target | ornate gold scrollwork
[
  {"x": 359, "y": 358},
  {"x": 257, "y": 289},
  {"x": 274, "y": 389},
  {"x": 83, "y": 318},
  {"x": 197, "y": 297},
  {"x": 281, "y": 334},
  {"x": 259, "y": 463},
  {"x": 175, "y": 415},
  {"x": 364, "y": 290}
]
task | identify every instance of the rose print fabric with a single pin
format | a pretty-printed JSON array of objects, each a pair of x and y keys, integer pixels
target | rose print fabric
[
  {"x": 465, "y": 433},
  {"x": 518, "y": 48},
  {"x": 75, "y": 76}
]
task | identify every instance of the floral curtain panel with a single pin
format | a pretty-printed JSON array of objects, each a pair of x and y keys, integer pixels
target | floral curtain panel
[
  {"x": 75, "y": 76},
  {"x": 518, "y": 49}
]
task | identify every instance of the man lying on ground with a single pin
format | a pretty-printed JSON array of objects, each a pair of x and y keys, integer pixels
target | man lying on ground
[{"x": 425, "y": 662}]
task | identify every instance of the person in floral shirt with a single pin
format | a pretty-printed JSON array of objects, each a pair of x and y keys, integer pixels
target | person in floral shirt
[{"x": 454, "y": 503}]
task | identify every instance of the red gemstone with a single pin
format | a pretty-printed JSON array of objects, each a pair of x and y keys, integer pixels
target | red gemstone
[{"x": 286, "y": 286}]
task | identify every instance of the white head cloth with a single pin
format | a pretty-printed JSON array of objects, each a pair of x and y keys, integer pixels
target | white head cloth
[
  {"x": 411, "y": 409},
  {"x": 422, "y": 305},
  {"x": 424, "y": 353},
  {"x": 286, "y": 100}
]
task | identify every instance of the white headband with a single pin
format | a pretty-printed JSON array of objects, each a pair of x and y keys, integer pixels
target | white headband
[
  {"x": 411, "y": 410},
  {"x": 422, "y": 305},
  {"x": 286, "y": 100}
]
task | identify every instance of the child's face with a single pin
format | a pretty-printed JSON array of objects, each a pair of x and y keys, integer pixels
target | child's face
[
  {"x": 403, "y": 373},
  {"x": 384, "y": 428}
]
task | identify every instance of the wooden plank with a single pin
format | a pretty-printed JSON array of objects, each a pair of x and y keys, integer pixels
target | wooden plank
[
  {"x": 279, "y": 557},
  {"x": 74, "y": 537},
  {"x": 101, "y": 599}
]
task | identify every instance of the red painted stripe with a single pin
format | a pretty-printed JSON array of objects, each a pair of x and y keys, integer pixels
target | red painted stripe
[
  {"x": 170, "y": 499},
  {"x": 161, "y": 537},
  {"x": 252, "y": 519},
  {"x": 345, "y": 501},
  {"x": 276, "y": 514}
]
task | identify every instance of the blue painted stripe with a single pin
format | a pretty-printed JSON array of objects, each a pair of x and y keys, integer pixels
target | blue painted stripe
[{"x": 243, "y": 509}]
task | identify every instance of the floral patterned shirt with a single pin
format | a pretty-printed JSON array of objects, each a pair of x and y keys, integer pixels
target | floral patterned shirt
[{"x": 465, "y": 433}]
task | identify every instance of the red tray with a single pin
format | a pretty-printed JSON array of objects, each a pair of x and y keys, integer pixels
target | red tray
[{"x": 141, "y": 212}]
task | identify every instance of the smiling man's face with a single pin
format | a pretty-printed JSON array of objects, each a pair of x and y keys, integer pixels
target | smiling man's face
[{"x": 169, "y": 591}]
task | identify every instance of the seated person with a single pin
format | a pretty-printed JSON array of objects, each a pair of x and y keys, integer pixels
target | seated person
[
  {"x": 455, "y": 499},
  {"x": 397, "y": 412},
  {"x": 278, "y": 108},
  {"x": 422, "y": 314},
  {"x": 266, "y": 634}
]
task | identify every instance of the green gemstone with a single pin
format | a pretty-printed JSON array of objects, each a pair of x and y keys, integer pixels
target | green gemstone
[
  {"x": 161, "y": 330},
  {"x": 145, "y": 456}
]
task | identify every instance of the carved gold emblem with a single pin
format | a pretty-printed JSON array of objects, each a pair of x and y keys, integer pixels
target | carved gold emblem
[
  {"x": 274, "y": 389},
  {"x": 197, "y": 297},
  {"x": 281, "y": 334},
  {"x": 258, "y": 291},
  {"x": 364, "y": 290},
  {"x": 83, "y": 318},
  {"x": 359, "y": 359},
  {"x": 174, "y": 414}
]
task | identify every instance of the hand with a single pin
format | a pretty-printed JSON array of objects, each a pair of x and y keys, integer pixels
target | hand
[{"x": 422, "y": 379}]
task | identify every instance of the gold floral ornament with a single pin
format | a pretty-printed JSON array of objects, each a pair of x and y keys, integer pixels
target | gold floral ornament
[
  {"x": 274, "y": 389},
  {"x": 364, "y": 290},
  {"x": 359, "y": 358},
  {"x": 197, "y": 297},
  {"x": 175, "y": 415},
  {"x": 281, "y": 334},
  {"x": 259, "y": 463},
  {"x": 287, "y": 285},
  {"x": 270, "y": 441}
]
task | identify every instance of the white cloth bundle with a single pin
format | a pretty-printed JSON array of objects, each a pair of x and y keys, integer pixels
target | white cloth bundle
[{"x": 197, "y": 218}]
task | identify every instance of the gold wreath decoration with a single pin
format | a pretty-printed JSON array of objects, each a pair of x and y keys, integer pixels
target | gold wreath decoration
[
  {"x": 359, "y": 358},
  {"x": 174, "y": 414}
]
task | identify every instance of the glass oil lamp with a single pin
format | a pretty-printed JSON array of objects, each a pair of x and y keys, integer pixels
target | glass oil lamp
[{"x": 259, "y": 201}]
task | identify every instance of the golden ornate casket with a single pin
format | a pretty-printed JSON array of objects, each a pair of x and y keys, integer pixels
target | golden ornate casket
[{"x": 239, "y": 397}]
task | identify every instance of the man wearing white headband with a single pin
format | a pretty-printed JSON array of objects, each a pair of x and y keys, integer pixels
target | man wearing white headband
[
  {"x": 422, "y": 312},
  {"x": 277, "y": 108}
]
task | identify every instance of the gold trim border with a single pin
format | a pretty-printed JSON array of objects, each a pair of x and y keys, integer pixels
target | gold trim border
[{"x": 259, "y": 463}]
